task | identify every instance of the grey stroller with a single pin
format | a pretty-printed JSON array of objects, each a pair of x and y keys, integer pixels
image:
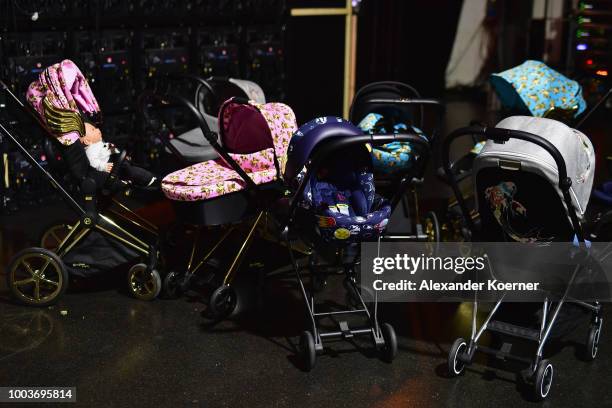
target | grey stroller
[{"x": 532, "y": 183}]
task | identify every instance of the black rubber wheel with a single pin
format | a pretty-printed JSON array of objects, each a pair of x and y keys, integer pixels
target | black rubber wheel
[
  {"x": 36, "y": 277},
  {"x": 144, "y": 283},
  {"x": 171, "y": 287},
  {"x": 307, "y": 350},
  {"x": 592, "y": 344},
  {"x": 223, "y": 302},
  {"x": 389, "y": 349},
  {"x": 543, "y": 380},
  {"x": 455, "y": 365}
]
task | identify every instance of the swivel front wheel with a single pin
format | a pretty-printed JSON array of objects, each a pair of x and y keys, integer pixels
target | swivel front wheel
[
  {"x": 222, "y": 302},
  {"x": 389, "y": 349},
  {"x": 307, "y": 350},
  {"x": 144, "y": 283},
  {"x": 455, "y": 362}
]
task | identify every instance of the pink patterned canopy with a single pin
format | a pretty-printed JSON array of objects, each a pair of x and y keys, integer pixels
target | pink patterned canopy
[{"x": 64, "y": 86}]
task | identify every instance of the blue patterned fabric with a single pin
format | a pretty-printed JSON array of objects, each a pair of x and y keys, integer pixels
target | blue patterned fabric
[
  {"x": 347, "y": 211},
  {"x": 392, "y": 157},
  {"x": 537, "y": 88}
]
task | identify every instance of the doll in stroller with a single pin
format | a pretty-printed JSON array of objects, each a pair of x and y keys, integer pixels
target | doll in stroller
[
  {"x": 333, "y": 208},
  {"x": 95, "y": 242},
  {"x": 532, "y": 183}
]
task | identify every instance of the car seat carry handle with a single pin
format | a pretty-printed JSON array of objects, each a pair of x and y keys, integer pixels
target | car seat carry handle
[
  {"x": 593, "y": 109},
  {"x": 211, "y": 137},
  {"x": 500, "y": 135},
  {"x": 422, "y": 102}
]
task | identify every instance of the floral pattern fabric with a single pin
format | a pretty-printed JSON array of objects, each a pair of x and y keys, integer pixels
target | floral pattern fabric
[
  {"x": 65, "y": 87},
  {"x": 215, "y": 178}
]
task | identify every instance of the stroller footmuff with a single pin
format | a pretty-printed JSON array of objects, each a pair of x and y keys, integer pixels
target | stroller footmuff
[
  {"x": 237, "y": 187},
  {"x": 532, "y": 183},
  {"x": 333, "y": 209}
]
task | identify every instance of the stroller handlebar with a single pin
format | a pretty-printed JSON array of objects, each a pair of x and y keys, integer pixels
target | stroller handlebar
[{"x": 500, "y": 135}]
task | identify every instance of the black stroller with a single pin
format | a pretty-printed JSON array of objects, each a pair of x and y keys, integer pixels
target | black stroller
[
  {"x": 395, "y": 107},
  {"x": 95, "y": 242},
  {"x": 333, "y": 208},
  {"x": 532, "y": 183}
]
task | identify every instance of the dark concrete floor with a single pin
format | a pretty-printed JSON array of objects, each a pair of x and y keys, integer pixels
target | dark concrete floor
[{"x": 121, "y": 352}]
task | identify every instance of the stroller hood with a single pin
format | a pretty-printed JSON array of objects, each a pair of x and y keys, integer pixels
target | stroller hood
[
  {"x": 64, "y": 87},
  {"x": 308, "y": 136},
  {"x": 536, "y": 88},
  {"x": 574, "y": 146},
  {"x": 247, "y": 128}
]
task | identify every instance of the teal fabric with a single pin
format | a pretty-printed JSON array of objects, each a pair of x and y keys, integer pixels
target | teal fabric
[
  {"x": 391, "y": 157},
  {"x": 536, "y": 88}
]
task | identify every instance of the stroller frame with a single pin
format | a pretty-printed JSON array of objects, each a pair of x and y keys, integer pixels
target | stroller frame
[
  {"x": 143, "y": 278},
  {"x": 383, "y": 335},
  {"x": 427, "y": 229},
  {"x": 540, "y": 371}
]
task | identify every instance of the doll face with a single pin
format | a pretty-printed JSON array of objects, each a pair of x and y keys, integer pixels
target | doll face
[{"x": 92, "y": 133}]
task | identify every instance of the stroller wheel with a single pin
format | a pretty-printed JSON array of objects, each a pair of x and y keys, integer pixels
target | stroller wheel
[
  {"x": 222, "y": 302},
  {"x": 144, "y": 284},
  {"x": 53, "y": 236},
  {"x": 389, "y": 349},
  {"x": 543, "y": 380},
  {"x": 431, "y": 227},
  {"x": 171, "y": 287},
  {"x": 455, "y": 364},
  {"x": 36, "y": 277},
  {"x": 307, "y": 350},
  {"x": 592, "y": 345}
]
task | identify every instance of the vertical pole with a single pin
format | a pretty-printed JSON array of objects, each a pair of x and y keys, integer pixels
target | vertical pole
[{"x": 347, "y": 60}]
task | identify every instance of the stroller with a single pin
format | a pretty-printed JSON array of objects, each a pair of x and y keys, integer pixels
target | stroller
[
  {"x": 394, "y": 107},
  {"x": 333, "y": 208},
  {"x": 96, "y": 242},
  {"x": 189, "y": 146},
  {"x": 531, "y": 88},
  {"x": 237, "y": 187},
  {"x": 532, "y": 183}
]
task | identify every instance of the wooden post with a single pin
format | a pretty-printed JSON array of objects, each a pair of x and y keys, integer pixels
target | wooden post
[{"x": 350, "y": 45}]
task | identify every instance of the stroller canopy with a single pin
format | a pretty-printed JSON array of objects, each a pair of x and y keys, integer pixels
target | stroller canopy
[
  {"x": 536, "y": 88},
  {"x": 574, "y": 146},
  {"x": 60, "y": 95},
  {"x": 309, "y": 135}
]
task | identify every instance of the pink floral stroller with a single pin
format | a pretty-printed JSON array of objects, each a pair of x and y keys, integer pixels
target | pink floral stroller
[{"x": 239, "y": 185}]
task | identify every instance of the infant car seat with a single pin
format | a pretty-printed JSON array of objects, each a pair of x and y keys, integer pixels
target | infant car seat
[
  {"x": 341, "y": 197},
  {"x": 391, "y": 157}
]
